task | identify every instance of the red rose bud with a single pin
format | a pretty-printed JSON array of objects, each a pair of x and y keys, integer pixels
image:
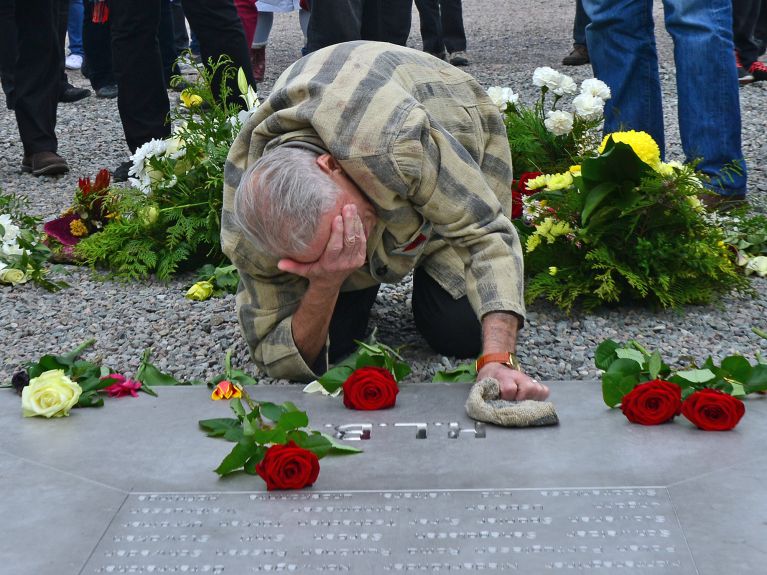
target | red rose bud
[
  {"x": 713, "y": 410},
  {"x": 288, "y": 467},
  {"x": 522, "y": 185},
  {"x": 226, "y": 390},
  {"x": 370, "y": 388},
  {"x": 652, "y": 403}
]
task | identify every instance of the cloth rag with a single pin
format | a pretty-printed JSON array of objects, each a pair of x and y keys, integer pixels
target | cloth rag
[{"x": 485, "y": 404}]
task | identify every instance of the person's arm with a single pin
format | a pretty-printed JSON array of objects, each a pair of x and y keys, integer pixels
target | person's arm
[{"x": 499, "y": 335}]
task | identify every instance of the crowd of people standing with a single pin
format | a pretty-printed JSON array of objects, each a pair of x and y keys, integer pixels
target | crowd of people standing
[{"x": 129, "y": 49}]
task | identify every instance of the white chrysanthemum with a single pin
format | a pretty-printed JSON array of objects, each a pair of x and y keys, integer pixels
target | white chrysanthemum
[
  {"x": 588, "y": 107},
  {"x": 566, "y": 85},
  {"x": 10, "y": 230},
  {"x": 547, "y": 77},
  {"x": 10, "y": 249},
  {"x": 596, "y": 88},
  {"x": 152, "y": 148},
  {"x": 502, "y": 97},
  {"x": 558, "y": 122}
]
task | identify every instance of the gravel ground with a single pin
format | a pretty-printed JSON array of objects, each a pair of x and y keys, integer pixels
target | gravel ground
[{"x": 189, "y": 338}]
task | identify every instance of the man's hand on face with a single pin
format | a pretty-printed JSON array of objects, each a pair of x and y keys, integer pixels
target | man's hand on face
[
  {"x": 515, "y": 385},
  {"x": 344, "y": 253}
]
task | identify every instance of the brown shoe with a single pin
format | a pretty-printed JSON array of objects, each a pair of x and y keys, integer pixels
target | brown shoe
[
  {"x": 258, "y": 63},
  {"x": 45, "y": 164},
  {"x": 578, "y": 56}
]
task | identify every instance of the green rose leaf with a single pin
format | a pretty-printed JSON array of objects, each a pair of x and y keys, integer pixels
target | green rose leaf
[
  {"x": 335, "y": 378},
  {"x": 697, "y": 375},
  {"x": 271, "y": 411},
  {"x": 90, "y": 399},
  {"x": 292, "y": 420},
  {"x": 738, "y": 367},
  {"x": 236, "y": 459},
  {"x": 621, "y": 377},
  {"x": 605, "y": 354},
  {"x": 237, "y": 408},
  {"x": 465, "y": 373},
  {"x": 632, "y": 354},
  {"x": 219, "y": 426},
  {"x": 757, "y": 381},
  {"x": 655, "y": 365},
  {"x": 255, "y": 459}
]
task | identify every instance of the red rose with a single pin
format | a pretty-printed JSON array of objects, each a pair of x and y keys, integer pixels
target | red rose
[
  {"x": 516, "y": 205},
  {"x": 652, "y": 403},
  {"x": 522, "y": 184},
  {"x": 370, "y": 388},
  {"x": 288, "y": 467},
  {"x": 713, "y": 410}
]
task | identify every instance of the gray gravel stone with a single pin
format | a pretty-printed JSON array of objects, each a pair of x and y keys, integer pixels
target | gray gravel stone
[{"x": 190, "y": 338}]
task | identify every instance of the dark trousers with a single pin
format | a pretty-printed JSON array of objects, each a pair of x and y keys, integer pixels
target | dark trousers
[
  {"x": 36, "y": 71},
  {"x": 180, "y": 34},
  {"x": 138, "y": 67},
  {"x": 336, "y": 21},
  {"x": 746, "y": 16},
  {"x": 97, "y": 45},
  {"x": 8, "y": 51},
  {"x": 441, "y": 25},
  {"x": 448, "y": 325}
]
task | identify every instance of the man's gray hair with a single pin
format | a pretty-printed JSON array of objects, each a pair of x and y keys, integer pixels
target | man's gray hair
[{"x": 281, "y": 199}]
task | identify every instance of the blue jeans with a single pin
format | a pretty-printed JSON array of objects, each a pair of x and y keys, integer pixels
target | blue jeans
[
  {"x": 75, "y": 27},
  {"x": 623, "y": 54}
]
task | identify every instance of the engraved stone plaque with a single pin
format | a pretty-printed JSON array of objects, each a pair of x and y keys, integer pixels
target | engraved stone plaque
[{"x": 632, "y": 530}]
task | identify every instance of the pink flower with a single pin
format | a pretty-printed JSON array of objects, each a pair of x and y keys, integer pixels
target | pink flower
[{"x": 121, "y": 386}]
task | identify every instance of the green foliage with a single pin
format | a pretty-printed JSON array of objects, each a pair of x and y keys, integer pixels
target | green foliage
[
  {"x": 260, "y": 424},
  {"x": 627, "y": 365},
  {"x": 224, "y": 279},
  {"x": 34, "y": 254},
  {"x": 172, "y": 222},
  {"x": 636, "y": 235},
  {"x": 370, "y": 354},
  {"x": 464, "y": 373}
]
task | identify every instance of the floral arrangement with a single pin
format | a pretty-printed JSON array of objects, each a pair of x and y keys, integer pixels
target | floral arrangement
[
  {"x": 547, "y": 139},
  {"x": 650, "y": 393},
  {"x": 91, "y": 210},
  {"x": 271, "y": 440},
  {"x": 169, "y": 219},
  {"x": 622, "y": 226},
  {"x": 23, "y": 254}
]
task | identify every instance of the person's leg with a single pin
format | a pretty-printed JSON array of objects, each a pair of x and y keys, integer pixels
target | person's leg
[
  {"x": 623, "y": 55},
  {"x": 745, "y": 16},
  {"x": 452, "y": 25},
  {"x": 431, "y": 27},
  {"x": 263, "y": 29},
  {"x": 180, "y": 34},
  {"x": 246, "y": 10},
  {"x": 709, "y": 102},
  {"x": 579, "y": 55},
  {"x": 448, "y": 325},
  {"x": 8, "y": 52},
  {"x": 37, "y": 70},
  {"x": 166, "y": 39},
  {"x": 97, "y": 44},
  {"x": 137, "y": 65},
  {"x": 334, "y": 21},
  {"x": 350, "y": 321},
  {"x": 761, "y": 28},
  {"x": 303, "y": 21},
  {"x": 387, "y": 20},
  {"x": 220, "y": 31},
  {"x": 75, "y": 28}
]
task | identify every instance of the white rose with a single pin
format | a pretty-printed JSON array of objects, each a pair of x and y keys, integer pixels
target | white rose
[
  {"x": 596, "y": 88},
  {"x": 502, "y": 97},
  {"x": 588, "y": 107},
  {"x": 12, "y": 276},
  {"x": 51, "y": 394},
  {"x": 558, "y": 122},
  {"x": 757, "y": 265},
  {"x": 176, "y": 147}
]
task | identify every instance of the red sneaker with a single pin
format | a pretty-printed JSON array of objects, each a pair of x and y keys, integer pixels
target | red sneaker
[{"x": 759, "y": 71}]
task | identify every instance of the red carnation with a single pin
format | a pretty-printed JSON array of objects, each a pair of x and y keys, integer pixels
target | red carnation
[
  {"x": 288, "y": 467},
  {"x": 522, "y": 184},
  {"x": 370, "y": 388},
  {"x": 652, "y": 403},
  {"x": 713, "y": 410}
]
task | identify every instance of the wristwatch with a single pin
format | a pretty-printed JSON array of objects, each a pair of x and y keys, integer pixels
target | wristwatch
[{"x": 505, "y": 358}]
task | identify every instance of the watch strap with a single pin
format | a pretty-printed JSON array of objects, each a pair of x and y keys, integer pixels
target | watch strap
[{"x": 506, "y": 358}]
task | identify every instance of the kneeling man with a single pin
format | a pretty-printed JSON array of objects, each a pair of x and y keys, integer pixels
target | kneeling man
[{"x": 369, "y": 161}]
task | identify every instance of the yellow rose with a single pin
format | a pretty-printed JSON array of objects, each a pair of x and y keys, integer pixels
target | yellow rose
[
  {"x": 200, "y": 291},
  {"x": 51, "y": 394},
  {"x": 189, "y": 99},
  {"x": 559, "y": 181},
  {"x": 12, "y": 276}
]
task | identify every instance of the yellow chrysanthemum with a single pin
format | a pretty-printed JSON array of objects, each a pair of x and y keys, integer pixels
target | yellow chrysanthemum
[
  {"x": 538, "y": 182},
  {"x": 575, "y": 170},
  {"x": 641, "y": 142},
  {"x": 532, "y": 242},
  {"x": 77, "y": 228},
  {"x": 553, "y": 270},
  {"x": 559, "y": 181}
]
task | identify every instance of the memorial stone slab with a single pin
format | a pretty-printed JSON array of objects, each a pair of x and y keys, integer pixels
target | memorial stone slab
[{"x": 129, "y": 489}]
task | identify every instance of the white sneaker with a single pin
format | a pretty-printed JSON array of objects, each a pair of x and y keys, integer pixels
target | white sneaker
[{"x": 74, "y": 62}]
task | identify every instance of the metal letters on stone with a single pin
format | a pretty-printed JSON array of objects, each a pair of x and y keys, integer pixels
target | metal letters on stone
[{"x": 530, "y": 531}]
